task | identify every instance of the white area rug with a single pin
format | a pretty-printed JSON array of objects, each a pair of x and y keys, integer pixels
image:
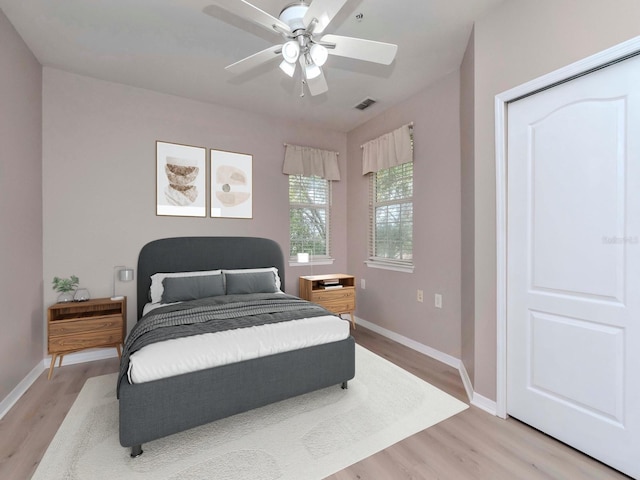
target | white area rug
[{"x": 308, "y": 437}]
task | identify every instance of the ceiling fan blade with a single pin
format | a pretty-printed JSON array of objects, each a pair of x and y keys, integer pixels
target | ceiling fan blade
[
  {"x": 250, "y": 12},
  {"x": 361, "y": 49},
  {"x": 317, "y": 85},
  {"x": 323, "y": 11},
  {"x": 255, "y": 60}
]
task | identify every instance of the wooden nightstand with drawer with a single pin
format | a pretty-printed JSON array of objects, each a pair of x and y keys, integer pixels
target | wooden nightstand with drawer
[
  {"x": 335, "y": 292},
  {"x": 76, "y": 326}
]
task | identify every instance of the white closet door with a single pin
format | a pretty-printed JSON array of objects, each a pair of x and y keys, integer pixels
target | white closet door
[{"x": 573, "y": 242}]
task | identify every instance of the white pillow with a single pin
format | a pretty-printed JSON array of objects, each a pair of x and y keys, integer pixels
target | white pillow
[
  {"x": 157, "y": 289},
  {"x": 254, "y": 270}
]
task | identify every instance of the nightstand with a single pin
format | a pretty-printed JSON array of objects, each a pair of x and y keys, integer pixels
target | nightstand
[
  {"x": 335, "y": 292},
  {"x": 76, "y": 326}
]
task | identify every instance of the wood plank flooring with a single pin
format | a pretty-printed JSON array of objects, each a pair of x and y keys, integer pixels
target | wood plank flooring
[{"x": 470, "y": 445}]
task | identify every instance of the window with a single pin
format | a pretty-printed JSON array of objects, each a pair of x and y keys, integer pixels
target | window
[
  {"x": 309, "y": 201},
  {"x": 391, "y": 224}
]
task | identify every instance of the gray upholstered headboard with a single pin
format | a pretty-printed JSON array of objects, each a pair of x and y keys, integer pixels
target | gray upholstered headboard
[{"x": 186, "y": 254}]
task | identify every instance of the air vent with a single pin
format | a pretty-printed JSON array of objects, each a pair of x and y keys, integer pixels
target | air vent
[{"x": 366, "y": 103}]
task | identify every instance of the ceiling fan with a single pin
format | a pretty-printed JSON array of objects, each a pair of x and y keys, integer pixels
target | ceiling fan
[{"x": 302, "y": 26}]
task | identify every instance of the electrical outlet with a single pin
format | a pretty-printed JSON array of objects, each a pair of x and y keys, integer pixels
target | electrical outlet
[
  {"x": 363, "y": 284},
  {"x": 438, "y": 300},
  {"x": 420, "y": 296}
]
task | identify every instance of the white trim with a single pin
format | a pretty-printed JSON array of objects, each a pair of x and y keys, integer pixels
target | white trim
[
  {"x": 322, "y": 261},
  {"x": 501, "y": 100},
  {"x": 83, "y": 357},
  {"x": 501, "y": 257},
  {"x": 424, "y": 349},
  {"x": 412, "y": 344},
  {"x": 483, "y": 403},
  {"x": 396, "y": 267},
  {"x": 20, "y": 389},
  {"x": 466, "y": 381},
  {"x": 70, "y": 359}
]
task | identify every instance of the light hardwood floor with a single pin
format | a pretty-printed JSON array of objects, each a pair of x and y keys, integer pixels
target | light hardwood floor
[{"x": 470, "y": 445}]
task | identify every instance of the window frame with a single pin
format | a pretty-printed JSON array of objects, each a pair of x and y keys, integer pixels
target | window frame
[
  {"x": 314, "y": 259},
  {"x": 387, "y": 263}
]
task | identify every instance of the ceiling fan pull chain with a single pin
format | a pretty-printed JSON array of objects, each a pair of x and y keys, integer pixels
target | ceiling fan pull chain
[{"x": 302, "y": 88}]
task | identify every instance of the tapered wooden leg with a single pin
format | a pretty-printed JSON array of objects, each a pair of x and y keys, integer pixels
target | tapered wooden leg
[
  {"x": 119, "y": 351},
  {"x": 60, "y": 361},
  {"x": 53, "y": 363}
]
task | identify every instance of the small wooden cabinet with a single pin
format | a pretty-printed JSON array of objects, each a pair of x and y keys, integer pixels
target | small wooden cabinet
[
  {"x": 76, "y": 326},
  {"x": 335, "y": 292}
]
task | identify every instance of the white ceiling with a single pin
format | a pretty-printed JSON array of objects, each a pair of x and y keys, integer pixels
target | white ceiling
[{"x": 171, "y": 46}]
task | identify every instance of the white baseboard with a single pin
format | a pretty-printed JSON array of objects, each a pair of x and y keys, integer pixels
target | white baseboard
[
  {"x": 84, "y": 356},
  {"x": 485, "y": 404},
  {"x": 475, "y": 399},
  {"x": 15, "y": 394},
  {"x": 466, "y": 381},
  {"x": 412, "y": 344},
  {"x": 70, "y": 359}
]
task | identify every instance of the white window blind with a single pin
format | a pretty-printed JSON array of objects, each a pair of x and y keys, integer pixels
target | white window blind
[
  {"x": 391, "y": 213},
  {"x": 309, "y": 216}
]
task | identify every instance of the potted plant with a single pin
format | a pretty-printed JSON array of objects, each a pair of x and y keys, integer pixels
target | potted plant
[{"x": 66, "y": 287}]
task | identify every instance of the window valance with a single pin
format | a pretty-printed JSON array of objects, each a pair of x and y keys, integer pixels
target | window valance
[
  {"x": 309, "y": 162},
  {"x": 391, "y": 149}
]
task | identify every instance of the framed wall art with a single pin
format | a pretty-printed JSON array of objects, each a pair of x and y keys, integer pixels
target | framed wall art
[
  {"x": 231, "y": 184},
  {"x": 181, "y": 180}
]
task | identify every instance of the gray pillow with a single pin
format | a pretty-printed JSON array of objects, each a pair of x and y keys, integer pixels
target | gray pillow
[
  {"x": 250, "y": 282},
  {"x": 180, "y": 289}
]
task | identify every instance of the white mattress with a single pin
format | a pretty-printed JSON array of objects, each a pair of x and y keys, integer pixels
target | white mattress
[{"x": 199, "y": 352}]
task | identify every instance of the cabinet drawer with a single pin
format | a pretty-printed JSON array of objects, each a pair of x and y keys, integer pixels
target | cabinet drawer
[
  {"x": 77, "y": 341},
  {"x": 68, "y": 327},
  {"x": 319, "y": 296},
  {"x": 337, "y": 301}
]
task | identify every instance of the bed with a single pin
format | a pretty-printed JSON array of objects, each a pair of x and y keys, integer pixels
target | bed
[{"x": 165, "y": 406}]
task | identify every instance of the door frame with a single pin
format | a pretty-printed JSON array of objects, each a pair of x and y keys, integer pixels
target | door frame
[{"x": 564, "y": 74}]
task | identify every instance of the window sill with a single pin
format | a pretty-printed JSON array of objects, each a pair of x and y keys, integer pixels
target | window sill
[
  {"x": 317, "y": 261},
  {"x": 389, "y": 266}
]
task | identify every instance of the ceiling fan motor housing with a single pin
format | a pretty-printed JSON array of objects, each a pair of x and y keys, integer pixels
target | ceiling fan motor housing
[{"x": 293, "y": 15}]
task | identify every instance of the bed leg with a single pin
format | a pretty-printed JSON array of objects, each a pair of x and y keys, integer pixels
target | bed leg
[
  {"x": 136, "y": 451},
  {"x": 344, "y": 385}
]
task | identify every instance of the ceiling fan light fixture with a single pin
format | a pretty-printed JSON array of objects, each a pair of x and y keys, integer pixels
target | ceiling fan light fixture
[
  {"x": 319, "y": 54},
  {"x": 291, "y": 51},
  {"x": 288, "y": 68},
  {"x": 311, "y": 71}
]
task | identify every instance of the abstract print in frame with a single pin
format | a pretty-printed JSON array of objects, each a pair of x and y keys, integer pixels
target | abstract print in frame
[
  {"x": 231, "y": 184},
  {"x": 181, "y": 180}
]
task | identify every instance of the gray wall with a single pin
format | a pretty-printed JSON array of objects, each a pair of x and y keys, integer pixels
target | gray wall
[
  {"x": 389, "y": 300},
  {"x": 99, "y": 177},
  {"x": 517, "y": 42},
  {"x": 20, "y": 209}
]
